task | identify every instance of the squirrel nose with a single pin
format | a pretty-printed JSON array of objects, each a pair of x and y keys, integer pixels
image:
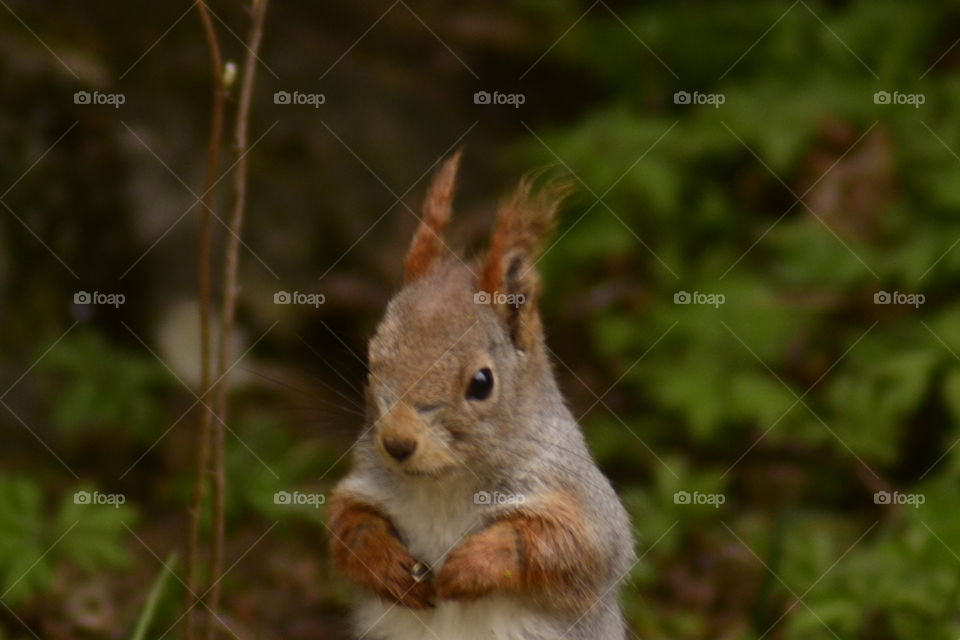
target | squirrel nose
[{"x": 400, "y": 448}]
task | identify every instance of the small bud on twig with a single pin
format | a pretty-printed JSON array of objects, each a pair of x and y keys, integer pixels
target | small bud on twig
[{"x": 229, "y": 74}]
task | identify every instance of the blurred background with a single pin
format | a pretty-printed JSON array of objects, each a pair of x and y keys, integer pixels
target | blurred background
[{"x": 751, "y": 299}]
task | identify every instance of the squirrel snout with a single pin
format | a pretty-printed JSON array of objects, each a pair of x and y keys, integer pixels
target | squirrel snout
[{"x": 399, "y": 447}]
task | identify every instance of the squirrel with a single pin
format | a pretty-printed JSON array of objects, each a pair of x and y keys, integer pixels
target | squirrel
[{"x": 473, "y": 508}]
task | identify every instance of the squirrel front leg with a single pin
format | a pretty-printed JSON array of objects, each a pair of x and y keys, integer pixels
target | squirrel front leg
[
  {"x": 365, "y": 547},
  {"x": 545, "y": 553}
]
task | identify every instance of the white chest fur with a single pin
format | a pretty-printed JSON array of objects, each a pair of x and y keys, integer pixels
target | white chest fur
[
  {"x": 498, "y": 617},
  {"x": 433, "y": 519}
]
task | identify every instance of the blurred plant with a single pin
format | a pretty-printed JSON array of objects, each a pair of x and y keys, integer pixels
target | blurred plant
[
  {"x": 33, "y": 543},
  {"x": 803, "y": 391},
  {"x": 211, "y": 440},
  {"x": 101, "y": 386},
  {"x": 154, "y": 597},
  {"x": 262, "y": 459},
  {"x": 280, "y": 465}
]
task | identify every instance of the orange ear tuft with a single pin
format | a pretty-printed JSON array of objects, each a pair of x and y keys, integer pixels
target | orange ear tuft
[
  {"x": 436, "y": 213},
  {"x": 524, "y": 222}
]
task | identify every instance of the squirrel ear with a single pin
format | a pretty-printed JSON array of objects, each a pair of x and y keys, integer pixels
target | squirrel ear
[
  {"x": 508, "y": 276},
  {"x": 436, "y": 213}
]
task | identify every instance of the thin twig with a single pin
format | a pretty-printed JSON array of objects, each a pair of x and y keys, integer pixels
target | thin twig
[
  {"x": 230, "y": 262},
  {"x": 203, "y": 267}
]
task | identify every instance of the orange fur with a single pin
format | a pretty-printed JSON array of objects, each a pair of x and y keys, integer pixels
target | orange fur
[
  {"x": 546, "y": 553},
  {"x": 486, "y": 561},
  {"x": 561, "y": 565},
  {"x": 365, "y": 547},
  {"x": 524, "y": 222},
  {"x": 436, "y": 214}
]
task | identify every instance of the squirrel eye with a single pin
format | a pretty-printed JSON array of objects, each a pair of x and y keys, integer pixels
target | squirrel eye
[{"x": 481, "y": 384}]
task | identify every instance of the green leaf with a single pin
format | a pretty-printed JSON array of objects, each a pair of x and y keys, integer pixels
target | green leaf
[{"x": 145, "y": 619}]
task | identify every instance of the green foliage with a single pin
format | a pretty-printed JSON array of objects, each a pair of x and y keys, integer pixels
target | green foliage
[
  {"x": 264, "y": 459},
  {"x": 156, "y": 594},
  {"x": 798, "y": 364},
  {"x": 104, "y": 386},
  {"x": 33, "y": 542}
]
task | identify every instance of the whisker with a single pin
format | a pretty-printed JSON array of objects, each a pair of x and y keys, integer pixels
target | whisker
[
  {"x": 274, "y": 380},
  {"x": 329, "y": 387},
  {"x": 332, "y": 368}
]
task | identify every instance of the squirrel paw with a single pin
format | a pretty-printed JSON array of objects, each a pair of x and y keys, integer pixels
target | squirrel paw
[
  {"x": 399, "y": 584},
  {"x": 484, "y": 562},
  {"x": 366, "y": 549}
]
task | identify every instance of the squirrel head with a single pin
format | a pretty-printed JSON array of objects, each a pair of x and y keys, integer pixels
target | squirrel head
[{"x": 457, "y": 363}]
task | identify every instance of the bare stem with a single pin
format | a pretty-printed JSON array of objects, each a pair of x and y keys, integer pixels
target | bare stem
[
  {"x": 203, "y": 267},
  {"x": 230, "y": 262}
]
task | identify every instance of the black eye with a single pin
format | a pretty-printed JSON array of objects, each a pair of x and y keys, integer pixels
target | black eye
[{"x": 481, "y": 384}]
